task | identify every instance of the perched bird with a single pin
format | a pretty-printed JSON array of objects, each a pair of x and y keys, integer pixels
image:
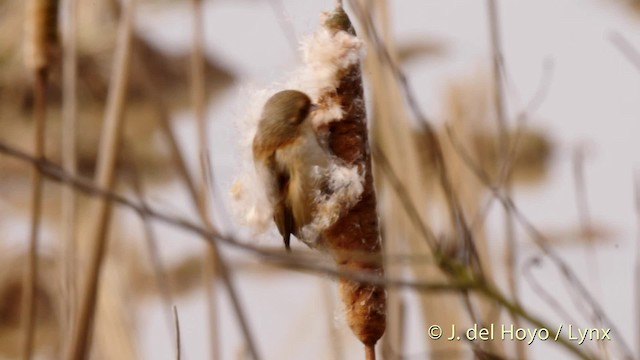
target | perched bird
[{"x": 291, "y": 160}]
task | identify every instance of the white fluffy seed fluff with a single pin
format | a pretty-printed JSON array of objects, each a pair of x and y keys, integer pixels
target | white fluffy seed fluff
[
  {"x": 346, "y": 185},
  {"x": 325, "y": 55},
  {"x": 248, "y": 192}
]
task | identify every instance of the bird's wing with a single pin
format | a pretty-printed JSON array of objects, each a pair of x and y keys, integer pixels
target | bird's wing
[
  {"x": 283, "y": 217},
  {"x": 282, "y": 213}
]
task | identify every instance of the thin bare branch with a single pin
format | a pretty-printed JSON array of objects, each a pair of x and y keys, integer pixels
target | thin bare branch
[
  {"x": 286, "y": 26},
  {"x": 456, "y": 214},
  {"x": 522, "y": 120},
  {"x": 503, "y": 144},
  {"x": 584, "y": 219},
  {"x": 542, "y": 242},
  {"x": 541, "y": 292},
  {"x": 283, "y": 259},
  {"x": 626, "y": 48},
  {"x": 315, "y": 265}
]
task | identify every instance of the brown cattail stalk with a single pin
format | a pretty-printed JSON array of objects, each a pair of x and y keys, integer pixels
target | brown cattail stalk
[
  {"x": 356, "y": 231},
  {"x": 41, "y": 41}
]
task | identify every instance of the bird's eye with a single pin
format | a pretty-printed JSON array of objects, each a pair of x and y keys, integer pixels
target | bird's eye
[{"x": 303, "y": 112}]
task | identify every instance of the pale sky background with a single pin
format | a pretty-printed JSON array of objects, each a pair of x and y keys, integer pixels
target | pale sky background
[{"x": 593, "y": 98}]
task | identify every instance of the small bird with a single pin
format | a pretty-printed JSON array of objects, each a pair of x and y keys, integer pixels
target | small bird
[{"x": 291, "y": 161}]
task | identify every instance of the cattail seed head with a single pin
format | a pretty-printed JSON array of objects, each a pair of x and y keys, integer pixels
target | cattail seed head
[
  {"x": 356, "y": 229},
  {"x": 41, "y": 33}
]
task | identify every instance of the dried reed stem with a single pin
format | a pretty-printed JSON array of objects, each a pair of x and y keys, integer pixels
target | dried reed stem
[
  {"x": 503, "y": 143},
  {"x": 69, "y": 163},
  {"x": 387, "y": 105},
  {"x": 198, "y": 93},
  {"x": 626, "y": 48},
  {"x": 288, "y": 30},
  {"x": 585, "y": 223},
  {"x": 317, "y": 266},
  {"x": 41, "y": 40},
  {"x": 177, "y": 330},
  {"x": 586, "y": 227},
  {"x": 636, "y": 191},
  {"x": 281, "y": 259},
  {"x": 543, "y": 243},
  {"x": 80, "y": 342},
  {"x": 31, "y": 269}
]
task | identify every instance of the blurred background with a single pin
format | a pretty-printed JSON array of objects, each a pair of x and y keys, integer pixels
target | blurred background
[{"x": 566, "y": 109}]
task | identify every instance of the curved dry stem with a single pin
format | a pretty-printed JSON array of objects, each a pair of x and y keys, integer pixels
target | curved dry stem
[{"x": 278, "y": 257}]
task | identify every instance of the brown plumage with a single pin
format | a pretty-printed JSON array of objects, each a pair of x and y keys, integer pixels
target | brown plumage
[{"x": 290, "y": 160}]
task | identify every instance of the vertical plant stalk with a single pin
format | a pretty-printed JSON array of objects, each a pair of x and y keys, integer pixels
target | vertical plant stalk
[
  {"x": 503, "y": 144},
  {"x": 370, "y": 352},
  {"x": 198, "y": 93},
  {"x": 177, "y": 330},
  {"x": 80, "y": 342},
  {"x": 31, "y": 269},
  {"x": 41, "y": 41},
  {"x": 636, "y": 190},
  {"x": 356, "y": 231},
  {"x": 69, "y": 164},
  {"x": 385, "y": 106}
]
